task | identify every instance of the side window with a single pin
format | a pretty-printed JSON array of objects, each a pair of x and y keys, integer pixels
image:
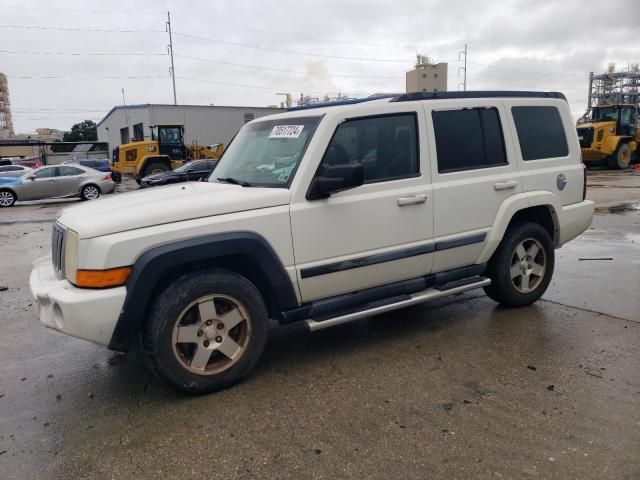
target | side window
[
  {"x": 45, "y": 173},
  {"x": 65, "y": 171},
  {"x": 387, "y": 146},
  {"x": 468, "y": 139},
  {"x": 540, "y": 132},
  {"x": 9, "y": 169}
]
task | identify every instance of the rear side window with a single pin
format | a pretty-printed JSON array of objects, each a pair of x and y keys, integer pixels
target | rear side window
[
  {"x": 66, "y": 171},
  {"x": 540, "y": 132},
  {"x": 387, "y": 146},
  {"x": 468, "y": 139}
]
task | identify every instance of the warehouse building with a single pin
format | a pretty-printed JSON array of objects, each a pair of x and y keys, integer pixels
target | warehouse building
[{"x": 206, "y": 125}]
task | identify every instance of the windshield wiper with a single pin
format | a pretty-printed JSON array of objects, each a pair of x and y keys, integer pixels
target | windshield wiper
[{"x": 234, "y": 181}]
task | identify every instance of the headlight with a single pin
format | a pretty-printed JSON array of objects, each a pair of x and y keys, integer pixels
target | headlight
[{"x": 71, "y": 242}]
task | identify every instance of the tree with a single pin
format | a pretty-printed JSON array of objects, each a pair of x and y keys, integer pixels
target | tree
[{"x": 82, "y": 132}]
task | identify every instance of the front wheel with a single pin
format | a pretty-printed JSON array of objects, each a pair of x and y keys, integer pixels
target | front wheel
[
  {"x": 522, "y": 266},
  {"x": 621, "y": 159},
  {"x": 205, "y": 331},
  {"x": 7, "y": 198},
  {"x": 155, "y": 167}
]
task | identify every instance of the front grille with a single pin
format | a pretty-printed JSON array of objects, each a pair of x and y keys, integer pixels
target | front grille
[
  {"x": 57, "y": 249},
  {"x": 585, "y": 135}
]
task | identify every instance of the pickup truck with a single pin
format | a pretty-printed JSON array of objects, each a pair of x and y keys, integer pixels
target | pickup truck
[{"x": 322, "y": 215}]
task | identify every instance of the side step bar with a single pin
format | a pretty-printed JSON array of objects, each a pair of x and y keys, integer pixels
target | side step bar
[{"x": 419, "y": 297}]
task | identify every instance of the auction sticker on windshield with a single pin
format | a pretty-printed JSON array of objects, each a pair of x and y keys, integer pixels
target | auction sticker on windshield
[{"x": 286, "y": 131}]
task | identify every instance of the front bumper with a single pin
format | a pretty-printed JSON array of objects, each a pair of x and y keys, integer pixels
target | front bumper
[
  {"x": 592, "y": 155},
  {"x": 90, "y": 314},
  {"x": 575, "y": 219}
]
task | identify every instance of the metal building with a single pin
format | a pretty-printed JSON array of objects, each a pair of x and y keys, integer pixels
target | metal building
[{"x": 206, "y": 125}]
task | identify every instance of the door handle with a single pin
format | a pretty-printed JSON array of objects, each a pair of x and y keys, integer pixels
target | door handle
[
  {"x": 505, "y": 185},
  {"x": 412, "y": 200}
]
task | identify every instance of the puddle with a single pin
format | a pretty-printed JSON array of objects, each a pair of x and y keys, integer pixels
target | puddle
[{"x": 619, "y": 208}]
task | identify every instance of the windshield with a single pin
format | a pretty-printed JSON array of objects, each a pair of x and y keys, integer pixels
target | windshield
[
  {"x": 266, "y": 153},
  {"x": 609, "y": 114},
  {"x": 184, "y": 167}
]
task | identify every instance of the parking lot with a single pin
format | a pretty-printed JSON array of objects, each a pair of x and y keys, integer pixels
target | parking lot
[{"x": 459, "y": 388}]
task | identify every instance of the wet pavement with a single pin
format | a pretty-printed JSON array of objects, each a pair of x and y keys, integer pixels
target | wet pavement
[{"x": 459, "y": 388}]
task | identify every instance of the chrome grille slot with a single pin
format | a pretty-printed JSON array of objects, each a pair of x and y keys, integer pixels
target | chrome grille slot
[{"x": 57, "y": 249}]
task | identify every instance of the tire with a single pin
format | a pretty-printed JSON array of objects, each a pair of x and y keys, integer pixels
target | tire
[
  {"x": 155, "y": 167},
  {"x": 516, "y": 259},
  {"x": 192, "y": 352},
  {"x": 621, "y": 159},
  {"x": 116, "y": 177},
  {"x": 7, "y": 198},
  {"x": 90, "y": 192}
]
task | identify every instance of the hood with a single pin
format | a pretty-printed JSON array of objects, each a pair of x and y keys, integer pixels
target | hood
[
  {"x": 172, "y": 203},
  {"x": 10, "y": 181}
]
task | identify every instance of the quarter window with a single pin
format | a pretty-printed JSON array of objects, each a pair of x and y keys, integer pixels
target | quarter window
[
  {"x": 387, "y": 147},
  {"x": 468, "y": 139},
  {"x": 540, "y": 132}
]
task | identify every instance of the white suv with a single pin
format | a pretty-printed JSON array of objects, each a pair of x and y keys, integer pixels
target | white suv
[{"x": 322, "y": 215}]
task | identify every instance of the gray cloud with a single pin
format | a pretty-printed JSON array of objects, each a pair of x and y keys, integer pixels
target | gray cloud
[{"x": 516, "y": 44}]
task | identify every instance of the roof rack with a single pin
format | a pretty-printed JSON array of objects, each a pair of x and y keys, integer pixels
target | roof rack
[
  {"x": 408, "y": 97},
  {"x": 340, "y": 102}
]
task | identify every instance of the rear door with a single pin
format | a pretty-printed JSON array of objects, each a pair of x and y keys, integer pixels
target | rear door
[
  {"x": 473, "y": 172},
  {"x": 69, "y": 180}
]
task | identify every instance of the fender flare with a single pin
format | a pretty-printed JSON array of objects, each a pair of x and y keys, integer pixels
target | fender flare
[
  {"x": 150, "y": 266},
  {"x": 509, "y": 208}
]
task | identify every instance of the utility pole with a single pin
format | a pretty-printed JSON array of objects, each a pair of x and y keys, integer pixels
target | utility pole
[
  {"x": 463, "y": 52},
  {"x": 170, "y": 49}
]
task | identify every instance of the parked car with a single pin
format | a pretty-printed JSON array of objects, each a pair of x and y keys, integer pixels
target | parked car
[
  {"x": 100, "y": 164},
  {"x": 190, "y": 171},
  {"x": 14, "y": 170},
  {"x": 55, "y": 181},
  {"x": 322, "y": 215},
  {"x": 30, "y": 162}
]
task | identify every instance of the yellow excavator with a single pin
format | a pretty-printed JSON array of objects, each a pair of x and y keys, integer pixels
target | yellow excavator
[
  {"x": 611, "y": 133},
  {"x": 165, "y": 151}
]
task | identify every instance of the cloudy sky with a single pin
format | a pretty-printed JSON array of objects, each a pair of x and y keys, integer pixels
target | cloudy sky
[{"x": 69, "y": 60}]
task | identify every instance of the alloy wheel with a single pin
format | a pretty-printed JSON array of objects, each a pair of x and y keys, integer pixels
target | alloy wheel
[
  {"x": 91, "y": 192},
  {"x": 528, "y": 265},
  {"x": 6, "y": 199},
  {"x": 211, "y": 334}
]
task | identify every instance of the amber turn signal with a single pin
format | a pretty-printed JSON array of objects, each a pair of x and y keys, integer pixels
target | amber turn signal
[{"x": 113, "y": 277}]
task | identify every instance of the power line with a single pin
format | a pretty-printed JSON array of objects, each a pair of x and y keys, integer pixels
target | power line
[
  {"x": 77, "y": 29},
  {"x": 86, "y": 77},
  {"x": 31, "y": 52},
  {"x": 258, "y": 67},
  {"x": 290, "y": 52},
  {"x": 108, "y": 12},
  {"x": 528, "y": 72}
]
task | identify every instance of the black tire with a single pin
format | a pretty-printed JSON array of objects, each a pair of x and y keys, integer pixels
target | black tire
[
  {"x": 90, "y": 192},
  {"x": 116, "y": 177},
  {"x": 168, "y": 311},
  {"x": 621, "y": 159},
  {"x": 155, "y": 167},
  {"x": 8, "y": 198},
  {"x": 504, "y": 289}
]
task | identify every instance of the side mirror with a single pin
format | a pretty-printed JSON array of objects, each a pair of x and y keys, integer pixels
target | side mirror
[
  {"x": 336, "y": 178},
  {"x": 32, "y": 178}
]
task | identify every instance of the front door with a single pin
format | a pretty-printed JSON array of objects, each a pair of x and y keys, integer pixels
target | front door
[
  {"x": 42, "y": 184},
  {"x": 375, "y": 234}
]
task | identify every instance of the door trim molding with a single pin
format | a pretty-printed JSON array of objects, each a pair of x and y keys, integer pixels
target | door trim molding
[{"x": 391, "y": 256}]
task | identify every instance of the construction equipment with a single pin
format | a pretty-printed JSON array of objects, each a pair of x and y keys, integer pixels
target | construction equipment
[
  {"x": 610, "y": 128},
  {"x": 165, "y": 151}
]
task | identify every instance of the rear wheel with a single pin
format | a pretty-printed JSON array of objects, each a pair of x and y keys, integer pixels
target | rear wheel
[
  {"x": 155, "y": 167},
  {"x": 89, "y": 192},
  {"x": 205, "y": 331},
  {"x": 621, "y": 159},
  {"x": 522, "y": 266},
  {"x": 116, "y": 177},
  {"x": 7, "y": 198}
]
